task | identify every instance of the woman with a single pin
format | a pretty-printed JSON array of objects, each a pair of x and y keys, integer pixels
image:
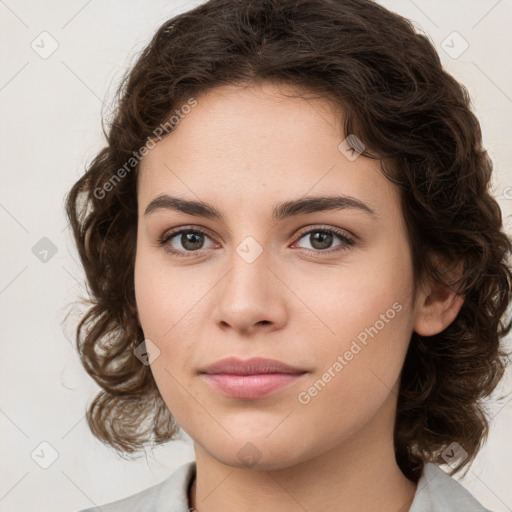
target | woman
[{"x": 294, "y": 256}]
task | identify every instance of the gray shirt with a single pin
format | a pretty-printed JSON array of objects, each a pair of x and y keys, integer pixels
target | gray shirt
[{"x": 437, "y": 492}]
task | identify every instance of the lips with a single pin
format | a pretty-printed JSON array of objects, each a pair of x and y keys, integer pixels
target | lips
[
  {"x": 251, "y": 379},
  {"x": 254, "y": 366}
]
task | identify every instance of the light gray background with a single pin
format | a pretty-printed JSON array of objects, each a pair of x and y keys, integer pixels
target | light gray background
[{"x": 50, "y": 113}]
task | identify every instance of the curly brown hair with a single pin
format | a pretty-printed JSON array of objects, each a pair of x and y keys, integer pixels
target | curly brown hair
[{"x": 409, "y": 113}]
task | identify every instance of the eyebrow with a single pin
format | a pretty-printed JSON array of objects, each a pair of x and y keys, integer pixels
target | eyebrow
[{"x": 301, "y": 206}]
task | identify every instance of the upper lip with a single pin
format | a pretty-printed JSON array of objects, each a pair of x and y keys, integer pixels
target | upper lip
[{"x": 253, "y": 366}]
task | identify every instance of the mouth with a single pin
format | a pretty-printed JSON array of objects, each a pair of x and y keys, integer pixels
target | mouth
[{"x": 251, "y": 379}]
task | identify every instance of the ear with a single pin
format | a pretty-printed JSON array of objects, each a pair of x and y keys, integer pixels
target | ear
[{"x": 437, "y": 305}]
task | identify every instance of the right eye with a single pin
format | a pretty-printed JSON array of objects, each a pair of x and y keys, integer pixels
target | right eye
[{"x": 190, "y": 240}]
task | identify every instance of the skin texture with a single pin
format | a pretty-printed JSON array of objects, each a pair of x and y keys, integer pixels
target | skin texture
[{"x": 243, "y": 151}]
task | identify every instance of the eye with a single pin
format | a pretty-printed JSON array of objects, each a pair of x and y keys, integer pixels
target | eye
[
  {"x": 321, "y": 240},
  {"x": 183, "y": 240}
]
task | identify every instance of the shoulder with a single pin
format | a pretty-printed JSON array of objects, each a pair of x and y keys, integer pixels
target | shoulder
[
  {"x": 439, "y": 492},
  {"x": 170, "y": 495}
]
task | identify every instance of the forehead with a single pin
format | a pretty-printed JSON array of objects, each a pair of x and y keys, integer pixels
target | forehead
[{"x": 244, "y": 145}]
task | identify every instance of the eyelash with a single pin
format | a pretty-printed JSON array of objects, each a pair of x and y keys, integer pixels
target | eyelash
[{"x": 345, "y": 246}]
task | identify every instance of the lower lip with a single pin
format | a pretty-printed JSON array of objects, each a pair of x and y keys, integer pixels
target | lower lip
[{"x": 251, "y": 386}]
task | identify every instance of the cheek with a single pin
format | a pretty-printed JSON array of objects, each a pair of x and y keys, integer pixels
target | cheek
[
  {"x": 165, "y": 296},
  {"x": 171, "y": 317},
  {"x": 365, "y": 328},
  {"x": 342, "y": 303},
  {"x": 163, "y": 315},
  {"x": 358, "y": 371}
]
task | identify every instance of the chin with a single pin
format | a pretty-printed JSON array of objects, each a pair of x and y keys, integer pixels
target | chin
[{"x": 259, "y": 455}]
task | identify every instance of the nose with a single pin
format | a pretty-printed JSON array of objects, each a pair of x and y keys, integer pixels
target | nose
[{"x": 250, "y": 298}]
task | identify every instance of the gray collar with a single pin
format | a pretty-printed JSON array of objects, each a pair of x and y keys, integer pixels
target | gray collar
[{"x": 437, "y": 492}]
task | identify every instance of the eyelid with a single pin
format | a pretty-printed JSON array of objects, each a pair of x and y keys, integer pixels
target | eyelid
[{"x": 319, "y": 227}]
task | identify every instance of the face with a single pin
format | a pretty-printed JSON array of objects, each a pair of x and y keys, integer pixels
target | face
[{"x": 324, "y": 290}]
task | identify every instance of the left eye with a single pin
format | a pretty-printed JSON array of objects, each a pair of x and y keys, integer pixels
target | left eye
[{"x": 321, "y": 239}]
